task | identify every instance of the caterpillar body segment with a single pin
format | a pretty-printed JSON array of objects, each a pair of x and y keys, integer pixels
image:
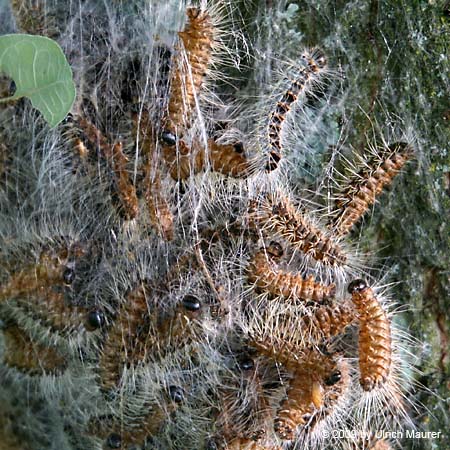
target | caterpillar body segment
[
  {"x": 279, "y": 215},
  {"x": 317, "y": 384},
  {"x": 159, "y": 209},
  {"x": 229, "y": 159},
  {"x": 184, "y": 160},
  {"x": 327, "y": 321},
  {"x": 125, "y": 338},
  {"x": 315, "y": 65},
  {"x": 28, "y": 356},
  {"x": 264, "y": 273},
  {"x": 366, "y": 184},
  {"x": 375, "y": 352},
  {"x": 125, "y": 189},
  {"x": 39, "y": 290}
]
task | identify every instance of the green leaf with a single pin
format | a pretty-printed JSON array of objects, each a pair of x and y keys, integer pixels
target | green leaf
[{"x": 41, "y": 72}]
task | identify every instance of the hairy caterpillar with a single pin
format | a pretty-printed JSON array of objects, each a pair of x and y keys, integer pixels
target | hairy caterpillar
[
  {"x": 375, "y": 353},
  {"x": 161, "y": 216},
  {"x": 125, "y": 338},
  {"x": 125, "y": 189},
  {"x": 317, "y": 382},
  {"x": 136, "y": 430},
  {"x": 30, "y": 17},
  {"x": 30, "y": 357},
  {"x": 187, "y": 77},
  {"x": 137, "y": 335},
  {"x": 362, "y": 188},
  {"x": 315, "y": 64},
  {"x": 264, "y": 273},
  {"x": 228, "y": 159},
  {"x": 279, "y": 215},
  {"x": 38, "y": 290},
  {"x": 327, "y": 321}
]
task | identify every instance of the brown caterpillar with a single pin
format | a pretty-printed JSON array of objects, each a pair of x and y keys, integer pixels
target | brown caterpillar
[
  {"x": 161, "y": 216},
  {"x": 265, "y": 274},
  {"x": 125, "y": 338},
  {"x": 188, "y": 76},
  {"x": 30, "y": 357},
  {"x": 362, "y": 188},
  {"x": 31, "y": 18},
  {"x": 283, "y": 218},
  {"x": 316, "y": 63},
  {"x": 375, "y": 354},
  {"x": 135, "y": 431},
  {"x": 328, "y": 321},
  {"x": 33, "y": 289},
  {"x": 184, "y": 161},
  {"x": 126, "y": 191},
  {"x": 318, "y": 382},
  {"x": 133, "y": 338},
  {"x": 228, "y": 159}
]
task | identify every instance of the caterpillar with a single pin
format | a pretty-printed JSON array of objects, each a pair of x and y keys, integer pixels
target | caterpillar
[
  {"x": 374, "y": 341},
  {"x": 367, "y": 183},
  {"x": 39, "y": 290},
  {"x": 248, "y": 444},
  {"x": 31, "y": 18},
  {"x": 265, "y": 275},
  {"x": 185, "y": 161},
  {"x": 30, "y": 357},
  {"x": 125, "y": 338},
  {"x": 317, "y": 383},
  {"x": 174, "y": 330},
  {"x": 125, "y": 189},
  {"x": 279, "y": 215},
  {"x": 315, "y": 65},
  {"x": 228, "y": 159},
  {"x": 187, "y": 77},
  {"x": 161, "y": 216},
  {"x": 136, "y": 430},
  {"x": 327, "y": 321},
  {"x": 52, "y": 269},
  {"x": 134, "y": 337}
]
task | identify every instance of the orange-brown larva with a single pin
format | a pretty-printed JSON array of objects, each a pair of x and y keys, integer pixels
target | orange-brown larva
[
  {"x": 28, "y": 356},
  {"x": 282, "y": 217},
  {"x": 32, "y": 289},
  {"x": 265, "y": 274},
  {"x": 125, "y": 338},
  {"x": 159, "y": 210},
  {"x": 362, "y": 188},
  {"x": 118, "y": 162},
  {"x": 316, "y": 63},
  {"x": 317, "y": 383},
  {"x": 188, "y": 76},
  {"x": 375, "y": 353},
  {"x": 328, "y": 321},
  {"x": 228, "y": 159}
]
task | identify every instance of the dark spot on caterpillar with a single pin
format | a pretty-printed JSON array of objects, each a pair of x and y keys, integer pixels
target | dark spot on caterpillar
[
  {"x": 94, "y": 320},
  {"x": 176, "y": 394},
  {"x": 246, "y": 364},
  {"x": 114, "y": 441},
  {"x": 334, "y": 378},
  {"x": 168, "y": 138},
  {"x": 191, "y": 303},
  {"x": 357, "y": 286},
  {"x": 68, "y": 275},
  {"x": 238, "y": 147},
  {"x": 275, "y": 249}
]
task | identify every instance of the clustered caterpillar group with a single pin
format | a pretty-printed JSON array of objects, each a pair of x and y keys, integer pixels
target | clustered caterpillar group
[{"x": 162, "y": 288}]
